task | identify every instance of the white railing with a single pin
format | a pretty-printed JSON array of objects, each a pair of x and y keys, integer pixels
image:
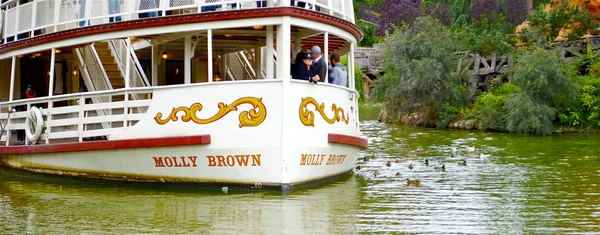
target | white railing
[
  {"x": 77, "y": 119},
  {"x": 48, "y": 16}
]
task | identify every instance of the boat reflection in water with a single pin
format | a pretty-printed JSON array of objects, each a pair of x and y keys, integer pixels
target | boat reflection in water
[{"x": 36, "y": 206}]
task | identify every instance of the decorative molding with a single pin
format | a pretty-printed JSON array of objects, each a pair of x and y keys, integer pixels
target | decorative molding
[
  {"x": 307, "y": 117},
  {"x": 253, "y": 117}
]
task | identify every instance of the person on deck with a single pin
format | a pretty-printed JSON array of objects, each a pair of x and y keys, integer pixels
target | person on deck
[
  {"x": 299, "y": 61},
  {"x": 27, "y": 94},
  {"x": 320, "y": 66},
  {"x": 337, "y": 73},
  {"x": 306, "y": 71}
]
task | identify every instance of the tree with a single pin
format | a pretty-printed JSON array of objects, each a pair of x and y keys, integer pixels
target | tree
[
  {"x": 420, "y": 72},
  {"x": 397, "y": 12},
  {"x": 545, "y": 27}
]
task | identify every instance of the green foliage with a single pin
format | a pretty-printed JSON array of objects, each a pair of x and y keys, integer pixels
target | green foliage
[
  {"x": 523, "y": 115},
  {"x": 420, "y": 76},
  {"x": 486, "y": 37},
  {"x": 357, "y": 77},
  {"x": 488, "y": 108},
  {"x": 369, "y": 37},
  {"x": 585, "y": 114},
  {"x": 545, "y": 27},
  {"x": 542, "y": 75}
]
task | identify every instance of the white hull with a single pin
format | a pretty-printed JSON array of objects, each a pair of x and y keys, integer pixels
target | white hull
[
  {"x": 279, "y": 151},
  {"x": 201, "y": 94}
]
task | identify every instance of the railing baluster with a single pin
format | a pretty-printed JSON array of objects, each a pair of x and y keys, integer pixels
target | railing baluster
[{"x": 81, "y": 116}]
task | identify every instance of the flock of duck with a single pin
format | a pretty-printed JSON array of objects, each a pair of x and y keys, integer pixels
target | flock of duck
[{"x": 439, "y": 167}]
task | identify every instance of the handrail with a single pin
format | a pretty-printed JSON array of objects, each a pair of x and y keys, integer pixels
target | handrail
[
  {"x": 245, "y": 65},
  {"x": 70, "y": 15},
  {"x": 231, "y": 75},
  {"x": 98, "y": 61},
  {"x": 120, "y": 91},
  {"x": 140, "y": 70}
]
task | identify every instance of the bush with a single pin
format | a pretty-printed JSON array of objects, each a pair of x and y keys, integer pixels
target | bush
[
  {"x": 420, "y": 73},
  {"x": 525, "y": 116},
  {"x": 489, "y": 106}
]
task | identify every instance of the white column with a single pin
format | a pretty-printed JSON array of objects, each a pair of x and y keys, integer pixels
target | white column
[
  {"x": 52, "y": 61},
  {"x": 210, "y": 59},
  {"x": 289, "y": 114},
  {"x": 269, "y": 49},
  {"x": 155, "y": 60},
  {"x": 128, "y": 62},
  {"x": 283, "y": 49},
  {"x": 351, "y": 78},
  {"x": 187, "y": 60},
  {"x": 326, "y": 53},
  {"x": 11, "y": 92},
  {"x": 13, "y": 67},
  {"x": 50, "y": 91}
]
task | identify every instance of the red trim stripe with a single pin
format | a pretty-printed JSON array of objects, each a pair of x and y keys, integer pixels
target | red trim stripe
[
  {"x": 349, "y": 140},
  {"x": 107, "y": 144}
]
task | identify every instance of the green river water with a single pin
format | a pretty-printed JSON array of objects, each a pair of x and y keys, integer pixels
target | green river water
[{"x": 512, "y": 184}]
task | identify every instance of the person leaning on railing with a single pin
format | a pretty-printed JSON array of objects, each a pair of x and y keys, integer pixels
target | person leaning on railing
[
  {"x": 320, "y": 65},
  {"x": 337, "y": 71}
]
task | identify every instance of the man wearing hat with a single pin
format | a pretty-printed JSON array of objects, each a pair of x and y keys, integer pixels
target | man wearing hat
[
  {"x": 319, "y": 64},
  {"x": 306, "y": 71}
]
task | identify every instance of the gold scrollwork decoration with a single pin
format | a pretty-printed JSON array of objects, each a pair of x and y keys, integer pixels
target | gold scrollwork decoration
[
  {"x": 253, "y": 117},
  {"x": 307, "y": 117}
]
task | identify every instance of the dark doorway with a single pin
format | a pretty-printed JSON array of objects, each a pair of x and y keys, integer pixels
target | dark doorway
[
  {"x": 35, "y": 72},
  {"x": 174, "y": 72}
]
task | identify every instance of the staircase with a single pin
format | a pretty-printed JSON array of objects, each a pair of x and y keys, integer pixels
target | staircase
[
  {"x": 110, "y": 65},
  {"x": 241, "y": 65}
]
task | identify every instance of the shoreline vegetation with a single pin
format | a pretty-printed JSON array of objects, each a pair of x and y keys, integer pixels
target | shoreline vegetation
[{"x": 550, "y": 86}]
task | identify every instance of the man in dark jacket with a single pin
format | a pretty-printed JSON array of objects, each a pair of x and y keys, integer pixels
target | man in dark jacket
[{"x": 320, "y": 65}]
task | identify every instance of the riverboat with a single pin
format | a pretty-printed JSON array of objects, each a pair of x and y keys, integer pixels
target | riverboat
[{"x": 177, "y": 91}]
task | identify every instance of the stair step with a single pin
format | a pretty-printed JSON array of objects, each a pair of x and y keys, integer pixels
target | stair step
[
  {"x": 111, "y": 67},
  {"x": 107, "y": 60},
  {"x": 114, "y": 74},
  {"x": 101, "y": 45},
  {"x": 103, "y": 52}
]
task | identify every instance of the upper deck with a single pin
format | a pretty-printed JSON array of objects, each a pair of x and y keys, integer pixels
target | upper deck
[{"x": 20, "y": 19}]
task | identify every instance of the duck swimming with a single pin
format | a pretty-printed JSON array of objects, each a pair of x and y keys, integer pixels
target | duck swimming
[
  {"x": 399, "y": 161},
  {"x": 471, "y": 149},
  {"x": 440, "y": 168},
  {"x": 452, "y": 155},
  {"x": 410, "y": 166},
  {"x": 365, "y": 159},
  {"x": 413, "y": 181},
  {"x": 420, "y": 150},
  {"x": 376, "y": 173},
  {"x": 373, "y": 157},
  {"x": 358, "y": 168},
  {"x": 410, "y": 155},
  {"x": 484, "y": 156},
  {"x": 426, "y": 162},
  {"x": 462, "y": 163},
  {"x": 397, "y": 174},
  {"x": 388, "y": 164}
]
